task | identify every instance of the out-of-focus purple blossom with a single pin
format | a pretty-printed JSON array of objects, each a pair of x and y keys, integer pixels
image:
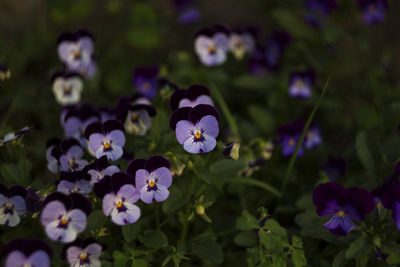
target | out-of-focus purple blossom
[
  {"x": 289, "y": 136},
  {"x": 342, "y": 206},
  {"x": 373, "y": 10},
  {"x": 106, "y": 139},
  {"x": 145, "y": 81},
  {"x": 71, "y": 156},
  {"x": 300, "y": 84},
  {"x": 335, "y": 168},
  {"x": 212, "y": 44},
  {"x": 12, "y": 204},
  {"x": 257, "y": 63},
  {"x": 82, "y": 252},
  {"x": 317, "y": 10},
  {"x": 152, "y": 178},
  {"x": 275, "y": 48},
  {"x": 193, "y": 96},
  {"x": 313, "y": 137},
  {"x": 64, "y": 216},
  {"x": 27, "y": 252},
  {"x": 67, "y": 87},
  {"x": 242, "y": 41},
  {"x": 74, "y": 182},
  {"x": 14, "y": 136},
  {"x": 196, "y": 128},
  {"x": 189, "y": 16},
  {"x": 99, "y": 169}
]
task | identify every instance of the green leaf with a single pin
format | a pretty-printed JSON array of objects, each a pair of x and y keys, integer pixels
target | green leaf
[
  {"x": 262, "y": 117},
  {"x": 120, "y": 259},
  {"x": 175, "y": 200},
  {"x": 130, "y": 231},
  {"x": 318, "y": 232},
  {"x": 208, "y": 249},
  {"x": 358, "y": 246},
  {"x": 227, "y": 166},
  {"x": 95, "y": 220},
  {"x": 390, "y": 247},
  {"x": 298, "y": 257},
  {"x": 16, "y": 173},
  {"x": 247, "y": 221},
  {"x": 270, "y": 240},
  {"x": 275, "y": 228},
  {"x": 339, "y": 259},
  {"x": 363, "y": 152},
  {"x": 246, "y": 239},
  {"x": 153, "y": 239},
  {"x": 393, "y": 259},
  {"x": 139, "y": 263},
  {"x": 248, "y": 81}
]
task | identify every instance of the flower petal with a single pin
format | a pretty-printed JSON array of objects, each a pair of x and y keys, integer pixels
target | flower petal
[
  {"x": 184, "y": 130},
  {"x": 164, "y": 176},
  {"x": 52, "y": 211},
  {"x": 210, "y": 125}
]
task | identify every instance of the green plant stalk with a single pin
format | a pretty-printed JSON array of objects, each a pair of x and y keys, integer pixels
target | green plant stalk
[
  {"x": 251, "y": 181},
  {"x": 303, "y": 134}
]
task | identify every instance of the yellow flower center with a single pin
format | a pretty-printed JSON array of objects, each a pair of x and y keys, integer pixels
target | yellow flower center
[
  {"x": 379, "y": 205},
  {"x": 211, "y": 49},
  {"x": 107, "y": 145},
  {"x": 77, "y": 54},
  {"x": 83, "y": 256},
  {"x": 67, "y": 89},
  {"x": 292, "y": 142},
  {"x": 299, "y": 83},
  {"x": 135, "y": 117},
  {"x": 119, "y": 204},
  {"x": 197, "y": 135},
  {"x": 64, "y": 221},
  {"x": 340, "y": 213},
  {"x": 9, "y": 207},
  {"x": 151, "y": 183},
  {"x": 71, "y": 163}
]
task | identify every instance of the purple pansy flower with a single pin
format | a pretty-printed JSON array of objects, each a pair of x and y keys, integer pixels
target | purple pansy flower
[
  {"x": 64, "y": 216},
  {"x": 145, "y": 81},
  {"x": 313, "y": 137},
  {"x": 67, "y": 87},
  {"x": 75, "y": 120},
  {"x": 152, "y": 178},
  {"x": 342, "y": 205},
  {"x": 196, "y": 128},
  {"x": 275, "y": 47},
  {"x": 12, "y": 204},
  {"x": 391, "y": 200},
  {"x": 135, "y": 112},
  {"x": 289, "y": 136},
  {"x": 211, "y": 45},
  {"x": 74, "y": 182},
  {"x": 99, "y": 169},
  {"x": 119, "y": 195},
  {"x": 76, "y": 50},
  {"x": 193, "y": 96},
  {"x": 25, "y": 252},
  {"x": 335, "y": 168},
  {"x": 188, "y": 14},
  {"x": 14, "y": 136},
  {"x": 71, "y": 156},
  {"x": 300, "y": 84},
  {"x": 106, "y": 139},
  {"x": 373, "y": 10},
  {"x": 242, "y": 41},
  {"x": 317, "y": 9},
  {"x": 82, "y": 253}
]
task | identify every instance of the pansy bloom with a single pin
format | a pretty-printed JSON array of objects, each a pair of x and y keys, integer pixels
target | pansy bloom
[
  {"x": 193, "y": 96},
  {"x": 71, "y": 156},
  {"x": 152, "y": 178},
  {"x": 99, "y": 169},
  {"x": 135, "y": 112},
  {"x": 196, "y": 128},
  {"x": 300, "y": 84},
  {"x": 313, "y": 137},
  {"x": 373, "y": 10},
  {"x": 82, "y": 253},
  {"x": 318, "y": 9},
  {"x": 76, "y": 51},
  {"x": 67, "y": 88},
  {"x": 211, "y": 45},
  {"x": 242, "y": 41},
  {"x": 12, "y": 204},
  {"x": 188, "y": 14},
  {"x": 5, "y": 72},
  {"x": 64, "y": 216},
  {"x": 342, "y": 206},
  {"x": 27, "y": 252},
  {"x": 119, "y": 195},
  {"x": 275, "y": 48},
  {"x": 289, "y": 136},
  {"x": 106, "y": 139},
  {"x": 145, "y": 81},
  {"x": 74, "y": 182}
]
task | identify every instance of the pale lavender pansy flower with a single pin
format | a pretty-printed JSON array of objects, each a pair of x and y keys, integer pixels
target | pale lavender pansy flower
[
  {"x": 25, "y": 252},
  {"x": 71, "y": 156},
  {"x": 193, "y": 96},
  {"x": 82, "y": 253},
  {"x": 64, "y": 216},
  {"x": 106, "y": 139},
  {"x": 313, "y": 137},
  {"x": 300, "y": 84},
  {"x": 242, "y": 41},
  {"x": 373, "y": 10},
  {"x": 152, "y": 178},
  {"x": 211, "y": 45},
  {"x": 12, "y": 205},
  {"x": 289, "y": 135},
  {"x": 67, "y": 88},
  {"x": 196, "y": 128},
  {"x": 99, "y": 169},
  {"x": 145, "y": 81},
  {"x": 74, "y": 182}
]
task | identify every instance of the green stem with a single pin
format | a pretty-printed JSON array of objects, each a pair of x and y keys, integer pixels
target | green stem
[
  {"x": 157, "y": 216},
  {"x": 250, "y": 181},
  {"x": 303, "y": 134}
]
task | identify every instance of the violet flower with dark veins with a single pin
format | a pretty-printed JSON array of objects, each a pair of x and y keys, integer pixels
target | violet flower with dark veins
[
  {"x": 71, "y": 156},
  {"x": 191, "y": 97},
  {"x": 300, "y": 84}
]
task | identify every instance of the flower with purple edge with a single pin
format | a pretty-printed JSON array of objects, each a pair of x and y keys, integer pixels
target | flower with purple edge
[
  {"x": 275, "y": 48},
  {"x": 67, "y": 87},
  {"x": 391, "y": 200},
  {"x": 98, "y": 169},
  {"x": 74, "y": 182},
  {"x": 152, "y": 178},
  {"x": 27, "y": 252},
  {"x": 373, "y": 10},
  {"x": 313, "y": 137},
  {"x": 106, "y": 139},
  {"x": 64, "y": 216},
  {"x": 342, "y": 206},
  {"x": 71, "y": 156},
  {"x": 12, "y": 204},
  {"x": 196, "y": 128},
  {"x": 318, "y": 9},
  {"x": 82, "y": 253},
  {"x": 145, "y": 81},
  {"x": 212, "y": 44},
  {"x": 289, "y": 136},
  {"x": 119, "y": 195},
  {"x": 242, "y": 41},
  {"x": 300, "y": 84},
  {"x": 193, "y": 96}
]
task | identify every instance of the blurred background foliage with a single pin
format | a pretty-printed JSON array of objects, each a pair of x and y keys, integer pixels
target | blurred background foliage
[{"x": 362, "y": 102}]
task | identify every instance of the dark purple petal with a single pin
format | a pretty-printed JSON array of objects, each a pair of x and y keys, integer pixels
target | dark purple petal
[
  {"x": 362, "y": 200},
  {"x": 33, "y": 201},
  {"x": 120, "y": 179},
  {"x": 135, "y": 165},
  {"x": 199, "y": 111},
  {"x": 390, "y": 196},
  {"x": 291, "y": 128},
  {"x": 112, "y": 125},
  {"x": 155, "y": 162},
  {"x": 35, "y": 245},
  {"x": 4, "y": 190},
  {"x": 205, "y": 32},
  {"x": 14, "y": 245},
  {"x": 220, "y": 28},
  {"x": 176, "y": 97},
  {"x": 93, "y": 128},
  {"x": 84, "y": 33},
  {"x": 53, "y": 142},
  {"x": 81, "y": 202},
  {"x": 102, "y": 187},
  {"x": 18, "y": 190},
  {"x": 147, "y": 72},
  {"x": 127, "y": 155},
  {"x": 339, "y": 225},
  {"x": 178, "y": 115},
  {"x": 195, "y": 91},
  {"x": 365, "y": 3},
  {"x": 66, "y": 144},
  {"x": 63, "y": 198},
  {"x": 330, "y": 208},
  {"x": 67, "y": 36},
  {"x": 102, "y": 163},
  {"x": 152, "y": 112},
  {"x": 330, "y": 191}
]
